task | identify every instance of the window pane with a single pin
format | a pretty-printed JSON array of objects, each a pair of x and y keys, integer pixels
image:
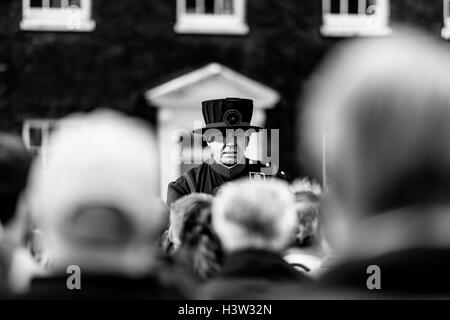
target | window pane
[
  {"x": 353, "y": 6},
  {"x": 75, "y": 3},
  {"x": 36, "y": 3},
  {"x": 55, "y": 3},
  {"x": 209, "y": 6},
  {"x": 335, "y": 6},
  {"x": 228, "y": 7},
  {"x": 190, "y": 6},
  {"x": 223, "y": 7}
]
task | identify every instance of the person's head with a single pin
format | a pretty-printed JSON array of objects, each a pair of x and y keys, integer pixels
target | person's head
[
  {"x": 191, "y": 205},
  {"x": 227, "y": 146},
  {"x": 307, "y": 202},
  {"x": 95, "y": 196},
  {"x": 386, "y": 124},
  {"x": 200, "y": 246},
  {"x": 228, "y": 129},
  {"x": 15, "y": 162},
  {"x": 254, "y": 215}
]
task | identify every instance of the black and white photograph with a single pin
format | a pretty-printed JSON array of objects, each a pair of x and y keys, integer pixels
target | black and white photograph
[{"x": 224, "y": 155}]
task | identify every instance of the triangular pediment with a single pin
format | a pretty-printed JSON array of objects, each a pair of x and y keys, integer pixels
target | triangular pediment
[{"x": 213, "y": 81}]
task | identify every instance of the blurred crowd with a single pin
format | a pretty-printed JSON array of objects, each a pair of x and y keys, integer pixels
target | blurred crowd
[{"x": 89, "y": 206}]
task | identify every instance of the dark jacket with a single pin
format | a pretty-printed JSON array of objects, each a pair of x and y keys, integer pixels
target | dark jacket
[
  {"x": 408, "y": 273},
  {"x": 162, "y": 283},
  {"x": 104, "y": 287},
  {"x": 254, "y": 274},
  {"x": 207, "y": 178}
]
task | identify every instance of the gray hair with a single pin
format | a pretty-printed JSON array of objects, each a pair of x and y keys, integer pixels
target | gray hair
[{"x": 251, "y": 214}]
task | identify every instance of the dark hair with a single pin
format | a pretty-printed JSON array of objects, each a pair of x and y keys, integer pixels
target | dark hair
[
  {"x": 15, "y": 163},
  {"x": 200, "y": 248}
]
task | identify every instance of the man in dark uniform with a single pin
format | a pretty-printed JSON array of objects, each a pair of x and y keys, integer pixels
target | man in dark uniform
[{"x": 227, "y": 133}]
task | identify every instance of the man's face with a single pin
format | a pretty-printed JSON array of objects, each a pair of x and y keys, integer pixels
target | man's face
[{"x": 227, "y": 147}]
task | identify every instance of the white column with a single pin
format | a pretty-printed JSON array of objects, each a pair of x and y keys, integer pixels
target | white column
[{"x": 164, "y": 132}]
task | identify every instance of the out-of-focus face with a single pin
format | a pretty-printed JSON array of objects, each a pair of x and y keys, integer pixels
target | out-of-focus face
[{"x": 230, "y": 150}]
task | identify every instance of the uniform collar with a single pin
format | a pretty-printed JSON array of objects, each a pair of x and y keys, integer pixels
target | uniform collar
[{"x": 228, "y": 172}]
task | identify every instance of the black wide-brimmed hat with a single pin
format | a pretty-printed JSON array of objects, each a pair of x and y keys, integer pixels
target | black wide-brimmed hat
[{"x": 228, "y": 113}]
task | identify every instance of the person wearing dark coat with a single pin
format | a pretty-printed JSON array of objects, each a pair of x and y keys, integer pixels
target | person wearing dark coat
[
  {"x": 255, "y": 221},
  {"x": 227, "y": 133},
  {"x": 254, "y": 274},
  {"x": 97, "y": 207},
  {"x": 387, "y": 215},
  {"x": 162, "y": 283}
]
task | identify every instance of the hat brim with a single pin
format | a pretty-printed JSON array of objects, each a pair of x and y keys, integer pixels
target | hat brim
[{"x": 224, "y": 127}]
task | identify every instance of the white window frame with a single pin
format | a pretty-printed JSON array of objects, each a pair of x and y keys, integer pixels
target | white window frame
[
  {"x": 233, "y": 24},
  {"x": 344, "y": 24},
  {"x": 72, "y": 19},
  {"x": 445, "y": 32}
]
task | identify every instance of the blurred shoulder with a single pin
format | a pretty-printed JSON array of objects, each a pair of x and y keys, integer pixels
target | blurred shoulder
[
  {"x": 181, "y": 186},
  {"x": 191, "y": 173}
]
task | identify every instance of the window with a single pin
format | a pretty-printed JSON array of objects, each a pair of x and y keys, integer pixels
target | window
[
  {"x": 446, "y": 29},
  {"x": 211, "y": 17},
  {"x": 57, "y": 15},
  {"x": 35, "y": 134},
  {"x": 345, "y": 18}
]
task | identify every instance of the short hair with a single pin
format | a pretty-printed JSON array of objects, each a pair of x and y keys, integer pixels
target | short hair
[
  {"x": 254, "y": 214},
  {"x": 193, "y": 203},
  {"x": 387, "y": 125},
  {"x": 15, "y": 163}
]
